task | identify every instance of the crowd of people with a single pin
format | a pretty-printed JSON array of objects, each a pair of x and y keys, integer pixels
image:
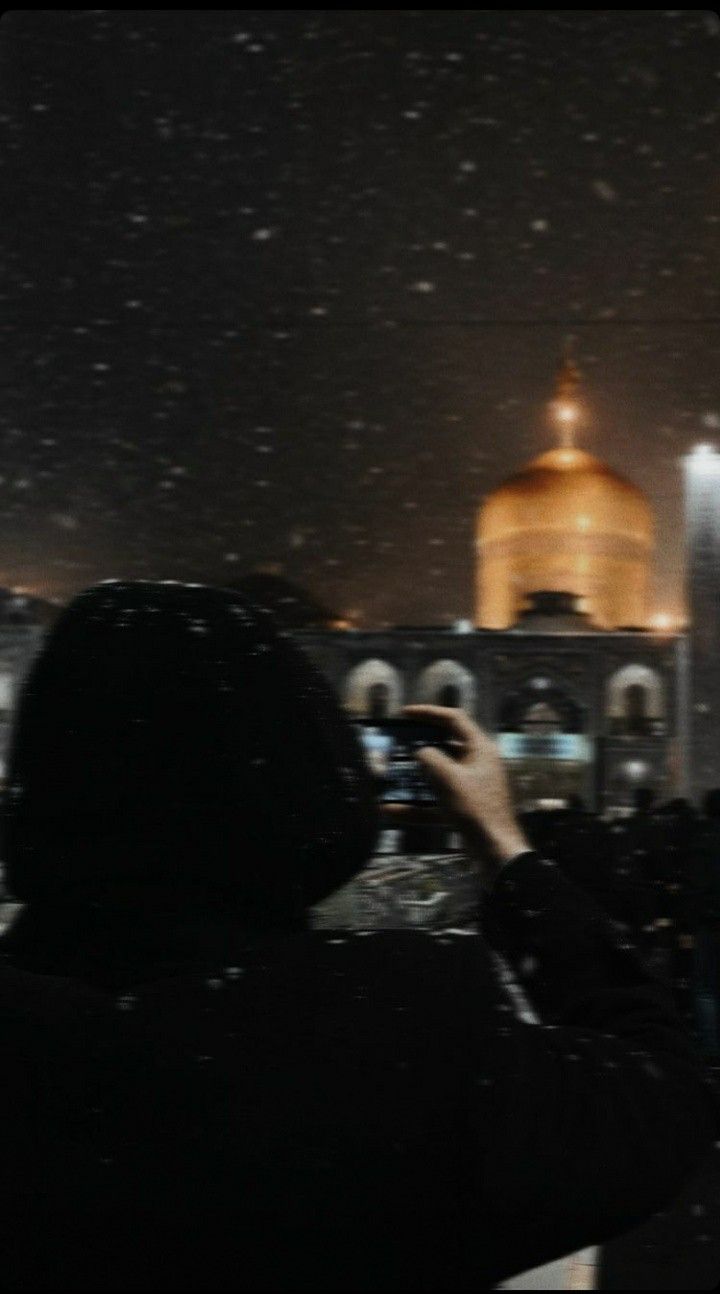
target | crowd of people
[{"x": 657, "y": 875}]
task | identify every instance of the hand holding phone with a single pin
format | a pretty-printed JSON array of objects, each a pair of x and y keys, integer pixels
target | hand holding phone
[
  {"x": 390, "y": 746},
  {"x": 472, "y": 781}
]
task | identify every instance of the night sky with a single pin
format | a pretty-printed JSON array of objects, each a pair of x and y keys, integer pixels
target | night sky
[{"x": 289, "y": 288}]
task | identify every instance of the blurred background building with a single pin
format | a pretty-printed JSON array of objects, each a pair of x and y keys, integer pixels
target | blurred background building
[{"x": 590, "y": 693}]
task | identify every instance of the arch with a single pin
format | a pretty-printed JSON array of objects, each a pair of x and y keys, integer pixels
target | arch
[
  {"x": 635, "y": 700},
  {"x": 373, "y": 685},
  {"x": 540, "y": 717},
  {"x": 450, "y": 696},
  {"x": 436, "y": 680},
  {"x": 539, "y": 705}
]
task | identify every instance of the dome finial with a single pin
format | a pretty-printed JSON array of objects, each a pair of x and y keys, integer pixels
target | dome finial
[{"x": 565, "y": 406}]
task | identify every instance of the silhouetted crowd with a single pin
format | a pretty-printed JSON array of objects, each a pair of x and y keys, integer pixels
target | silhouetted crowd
[{"x": 657, "y": 875}]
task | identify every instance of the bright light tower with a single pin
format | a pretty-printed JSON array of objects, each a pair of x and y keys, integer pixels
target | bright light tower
[
  {"x": 702, "y": 534},
  {"x": 701, "y": 471}
]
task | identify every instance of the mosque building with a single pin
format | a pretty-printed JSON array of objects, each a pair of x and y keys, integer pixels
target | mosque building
[{"x": 587, "y": 694}]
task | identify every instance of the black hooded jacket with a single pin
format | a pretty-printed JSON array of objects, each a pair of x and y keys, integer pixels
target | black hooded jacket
[{"x": 201, "y": 1091}]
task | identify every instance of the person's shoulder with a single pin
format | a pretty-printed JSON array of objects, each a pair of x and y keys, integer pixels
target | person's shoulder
[
  {"x": 30, "y": 994},
  {"x": 48, "y": 1025}
]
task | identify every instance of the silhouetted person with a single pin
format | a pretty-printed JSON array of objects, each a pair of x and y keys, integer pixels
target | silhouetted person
[
  {"x": 670, "y": 842},
  {"x": 704, "y": 922},
  {"x": 679, "y": 886},
  {"x": 711, "y": 803},
  {"x": 200, "y": 1091},
  {"x": 637, "y": 844}
]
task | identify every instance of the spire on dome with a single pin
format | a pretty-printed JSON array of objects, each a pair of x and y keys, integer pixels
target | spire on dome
[{"x": 565, "y": 406}]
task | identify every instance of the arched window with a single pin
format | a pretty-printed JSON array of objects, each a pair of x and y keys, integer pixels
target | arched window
[
  {"x": 378, "y": 701},
  {"x": 539, "y": 706},
  {"x": 373, "y": 689},
  {"x": 542, "y": 718},
  {"x": 636, "y": 717},
  {"x": 635, "y": 705},
  {"x": 449, "y": 695},
  {"x": 446, "y": 682}
]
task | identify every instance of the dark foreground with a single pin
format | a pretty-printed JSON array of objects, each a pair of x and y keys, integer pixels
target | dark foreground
[{"x": 679, "y": 1247}]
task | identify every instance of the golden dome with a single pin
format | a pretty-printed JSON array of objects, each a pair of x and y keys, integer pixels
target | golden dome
[{"x": 566, "y": 522}]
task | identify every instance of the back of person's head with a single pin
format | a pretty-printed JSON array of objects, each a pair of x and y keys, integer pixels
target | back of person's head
[
  {"x": 173, "y": 749},
  {"x": 711, "y": 803}
]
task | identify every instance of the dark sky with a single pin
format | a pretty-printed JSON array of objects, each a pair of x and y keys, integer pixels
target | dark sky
[{"x": 290, "y": 287}]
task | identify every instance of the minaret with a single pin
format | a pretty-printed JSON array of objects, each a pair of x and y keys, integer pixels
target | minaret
[{"x": 701, "y": 470}]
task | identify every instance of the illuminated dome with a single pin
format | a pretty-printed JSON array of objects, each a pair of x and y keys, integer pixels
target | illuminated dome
[{"x": 568, "y": 523}]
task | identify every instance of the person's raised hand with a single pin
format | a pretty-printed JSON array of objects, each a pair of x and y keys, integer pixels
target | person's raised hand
[{"x": 473, "y": 783}]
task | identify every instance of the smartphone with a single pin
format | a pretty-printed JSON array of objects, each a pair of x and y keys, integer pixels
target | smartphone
[{"x": 389, "y": 746}]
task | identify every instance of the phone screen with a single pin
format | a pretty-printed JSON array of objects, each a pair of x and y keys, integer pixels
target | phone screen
[{"x": 389, "y": 746}]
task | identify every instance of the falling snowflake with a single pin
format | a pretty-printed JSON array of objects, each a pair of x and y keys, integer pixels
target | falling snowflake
[{"x": 605, "y": 190}]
